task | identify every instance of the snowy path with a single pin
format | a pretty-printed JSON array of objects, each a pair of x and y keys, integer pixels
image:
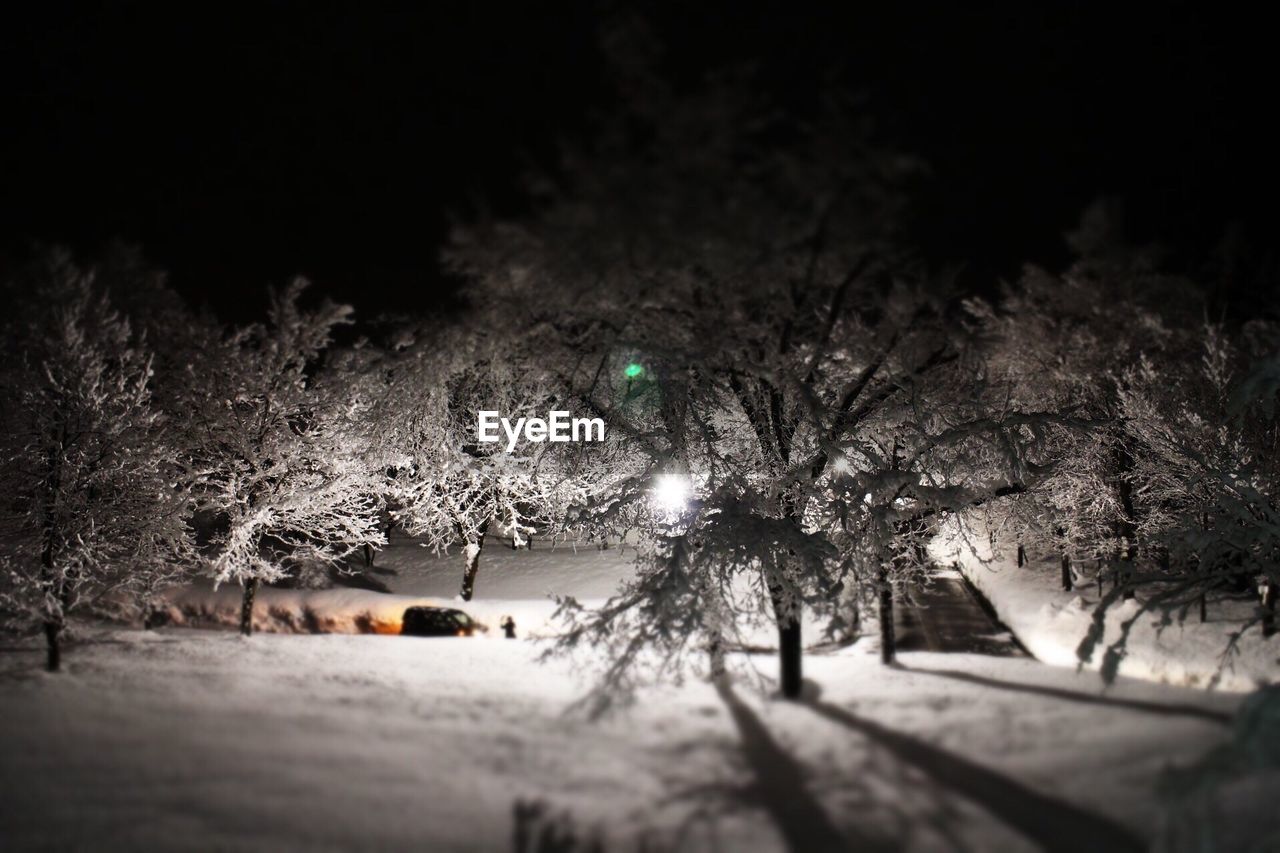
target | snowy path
[{"x": 946, "y": 616}]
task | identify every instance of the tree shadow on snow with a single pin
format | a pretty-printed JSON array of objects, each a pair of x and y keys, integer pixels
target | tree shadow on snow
[
  {"x": 1085, "y": 698},
  {"x": 779, "y": 786},
  {"x": 539, "y": 830},
  {"x": 1057, "y": 826}
]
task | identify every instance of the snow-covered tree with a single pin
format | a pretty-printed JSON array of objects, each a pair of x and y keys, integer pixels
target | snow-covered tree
[
  {"x": 97, "y": 508},
  {"x": 725, "y": 286},
  {"x": 443, "y": 484},
  {"x": 1063, "y": 343},
  {"x": 1206, "y": 480},
  {"x": 277, "y": 455},
  {"x": 1170, "y": 489}
]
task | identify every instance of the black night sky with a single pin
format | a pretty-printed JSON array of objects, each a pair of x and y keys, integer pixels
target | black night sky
[{"x": 241, "y": 146}]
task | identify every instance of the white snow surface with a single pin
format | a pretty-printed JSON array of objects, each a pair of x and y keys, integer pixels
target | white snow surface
[
  {"x": 1051, "y": 622},
  {"x": 516, "y": 583},
  {"x": 564, "y": 568},
  {"x": 185, "y": 739},
  {"x": 190, "y": 739},
  {"x": 512, "y": 583}
]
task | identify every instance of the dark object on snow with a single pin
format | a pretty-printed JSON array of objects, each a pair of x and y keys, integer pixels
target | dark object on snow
[
  {"x": 538, "y": 830},
  {"x": 156, "y": 617},
  {"x": 508, "y": 626},
  {"x": 436, "y": 622}
]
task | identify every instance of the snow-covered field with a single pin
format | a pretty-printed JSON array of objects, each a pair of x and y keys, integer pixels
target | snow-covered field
[
  {"x": 516, "y": 583},
  {"x": 584, "y": 570},
  {"x": 192, "y": 739},
  {"x": 512, "y": 583},
  {"x": 195, "y": 739},
  {"x": 1050, "y": 622}
]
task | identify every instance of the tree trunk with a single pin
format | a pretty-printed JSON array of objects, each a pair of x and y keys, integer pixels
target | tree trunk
[
  {"x": 1125, "y": 568},
  {"x": 54, "y": 621},
  {"x": 789, "y": 656},
  {"x": 888, "y": 642},
  {"x": 1066, "y": 572},
  {"x": 1204, "y": 608},
  {"x": 472, "y": 557},
  {"x": 787, "y": 616},
  {"x": 55, "y": 616},
  {"x": 1269, "y": 609},
  {"x": 715, "y": 651},
  {"x": 53, "y": 639},
  {"x": 1126, "y": 528},
  {"x": 1022, "y": 556},
  {"x": 246, "y": 606},
  {"x": 715, "y": 636}
]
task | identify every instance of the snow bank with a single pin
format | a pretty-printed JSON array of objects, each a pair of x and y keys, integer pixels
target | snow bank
[{"x": 1051, "y": 623}]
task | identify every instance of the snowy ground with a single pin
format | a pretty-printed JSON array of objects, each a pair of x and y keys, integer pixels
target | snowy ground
[
  {"x": 199, "y": 739},
  {"x": 520, "y": 584},
  {"x": 1051, "y": 623},
  {"x": 512, "y": 583},
  {"x": 194, "y": 739},
  {"x": 586, "y": 571}
]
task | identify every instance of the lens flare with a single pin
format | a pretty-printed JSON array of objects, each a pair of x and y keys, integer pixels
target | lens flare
[{"x": 671, "y": 492}]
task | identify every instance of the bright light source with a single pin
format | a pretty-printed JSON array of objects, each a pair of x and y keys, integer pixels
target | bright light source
[
  {"x": 840, "y": 465},
  {"x": 634, "y": 370},
  {"x": 670, "y": 492}
]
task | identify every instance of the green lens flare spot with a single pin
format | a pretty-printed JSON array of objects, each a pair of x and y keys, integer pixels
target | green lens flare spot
[{"x": 633, "y": 370}]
